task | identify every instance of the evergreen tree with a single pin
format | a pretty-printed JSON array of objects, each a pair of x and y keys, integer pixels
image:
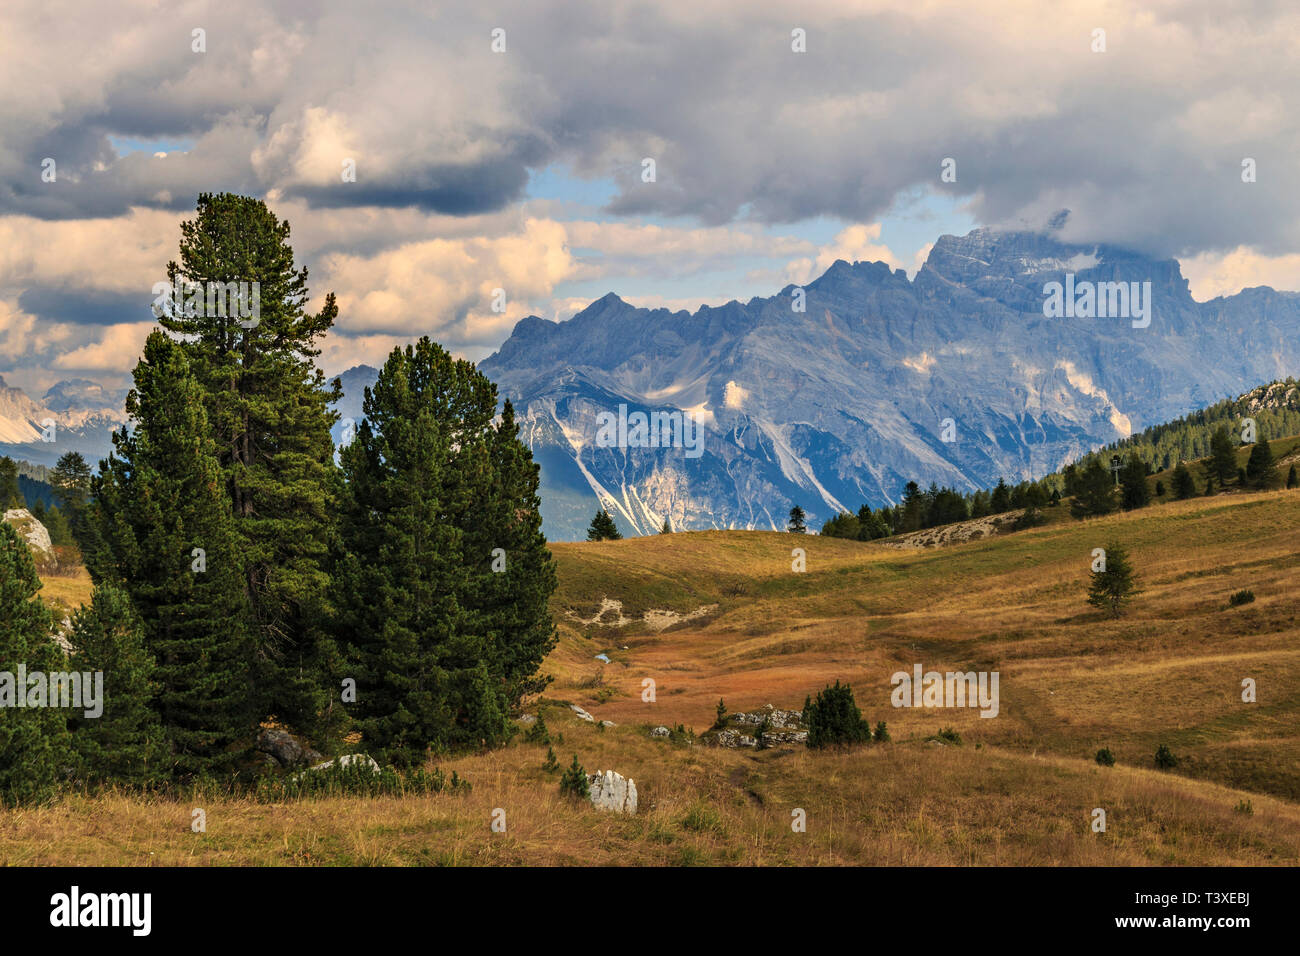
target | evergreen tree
[
  {"x": 57, "y": 526},
  {"x": 1133, "y": 484},
  {"x": 124, "y": 743},
  {"x": 1160, "y": 489},
  {"x": 1183, "y": 482},
  {"x": 11, "y": 495},
  {"x": 602, "y": 527},
  {"x": 1291, "y": 480},
  {"x": 665, "y": 528},
  {"x": 1222, "y": 463},
  {"x": 1112, "y": 589},
  {"x": 70, "y": 480},
  {"x": 267, "y": 405},
  {"x": 834, "y": 719},
  {"x": 797, "y": 524},
  {"x": 445, "y": 581},
  {"x": 1209, "y": 486},
  {"x": 573, "y": 782},
  {"x": 1000, "y": 502},
  {"x": 33, "y": 739},
  {"x": 157, "y": 499},
  {"x": 1261, "y": 469},
  {"x": 1094, "y": 491}
]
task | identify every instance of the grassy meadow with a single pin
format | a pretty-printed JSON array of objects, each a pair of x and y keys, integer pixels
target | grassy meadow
[{"x": 1020, "y": 789}]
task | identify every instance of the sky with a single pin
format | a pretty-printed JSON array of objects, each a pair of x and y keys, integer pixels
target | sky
[{"x": 505, "y": 146}]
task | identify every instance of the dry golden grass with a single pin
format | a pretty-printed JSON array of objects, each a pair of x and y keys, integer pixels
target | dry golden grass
[
  {"x": 1020, "y": 790},
  {"x": 887, "y": 805}
]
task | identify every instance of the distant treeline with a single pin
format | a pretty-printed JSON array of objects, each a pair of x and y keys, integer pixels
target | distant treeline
[{"x": 1211, "y": 433}]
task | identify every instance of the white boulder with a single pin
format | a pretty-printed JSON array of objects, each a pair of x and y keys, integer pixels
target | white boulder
[{"x": 612, "y": 791}]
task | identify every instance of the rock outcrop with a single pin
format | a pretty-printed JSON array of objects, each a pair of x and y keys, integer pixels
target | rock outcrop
[
  {"x": 612, "y": 791},
  {"x": 759, "y": 729}
]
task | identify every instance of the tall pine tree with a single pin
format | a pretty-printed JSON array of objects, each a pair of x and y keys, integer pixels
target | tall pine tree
[
  {"x": 444, "y": 587},
  {"x": 268, "y": 407},
  {"x": 161, "y": 509}
]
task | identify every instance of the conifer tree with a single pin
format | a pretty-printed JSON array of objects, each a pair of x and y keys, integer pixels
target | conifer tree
[
  {"x": 1291, "y": 479},
  {"x": 834, "y": 719},
  {"x": 1222, "y": 463},
  {"x": 1183, "y": 482},
  {"x": 1133, "y": 484},
  {"x": 267, "y": 404},
  {"x": 33, "y": 739},
  {"x": 161, "y": 510},
  {"x": 1094, "y": 491},
  {"x": 1000, "y": 502},
  {"x": 124, "y": 743},
  {"x": 797, "y": 524},
  {"x": 1261, "y": 468},
  {"x": 603, "y": 528},
  {"x": 445, "y": 581},
  {"x": 11, "y": 495},
  {"x": 1112, "y": 589},
  {"x": 666, "y": 528},
  {"x": 70, "y": 479}
]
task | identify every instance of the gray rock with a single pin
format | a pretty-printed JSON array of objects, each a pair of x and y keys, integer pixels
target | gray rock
[
  {"x": 31, "y": 530},
  {"x": 608, "y": 723},
  {"x": 612, "y": 791},
  {"x": 660, "y": 732},
  {"x": 286, "y": 750},
  {"x": 527, "y": 719},
  {"x": 582, "y": 714}
]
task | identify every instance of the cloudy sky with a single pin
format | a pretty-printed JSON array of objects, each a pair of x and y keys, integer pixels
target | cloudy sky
[{"x": 522, "y": 168}]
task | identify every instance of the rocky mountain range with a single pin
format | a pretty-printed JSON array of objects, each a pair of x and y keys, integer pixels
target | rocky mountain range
[
  {"x": 73, "y": 415},
  {"x": 956, "y": 376},
  {"x": 838, "y": 392}
]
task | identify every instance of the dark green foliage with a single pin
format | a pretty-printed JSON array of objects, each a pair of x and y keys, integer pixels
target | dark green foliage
[
  {"x": 602, "y": 528},
  {"x": 1209, "y": 486},
  {"x": 124, "y": 743},
  {"x": 70, "y": 480},
  {"x": 1000, "y": 501},
  {"x": 1165, "y": 760},
  {"x": 1291, "y": 479},
  {"x": 1112, "y": 589},
  {"x": 33, "y": 740},
  {"x": 1238, "y": 598},
  {"x": 551, "y": 765},
  {"x": 720, "y": 720},
  {"x": 157, "y": 498},
  {"x": 537, "y": 733},
  {"x": 665, "y": 528},
  {"x": 1261, "y": 468},
  {"x": 267, "y": 407},
  {"x": 1094, "y": 492},
  {"x": 11, "y": 495},
  {"x": 1241, "y": 477},
  {"x": 1183, "y": 482},
  {"x": 833, "y": 719},
  {"x": 1160, "y": 489},
  {"x": 1133, "y": 484},
  {"x": 797, "y": 522},
  {"x": 947, "y": 735},
  {"x": 1222, "y": 462},
  {"x": 443, "y": 647},
  {"x": 573, "y": 782},
  {"x": 1105, "y": 757},
  {"x": 881, "y": 736},
  {"x": 57, "y": 525}
]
